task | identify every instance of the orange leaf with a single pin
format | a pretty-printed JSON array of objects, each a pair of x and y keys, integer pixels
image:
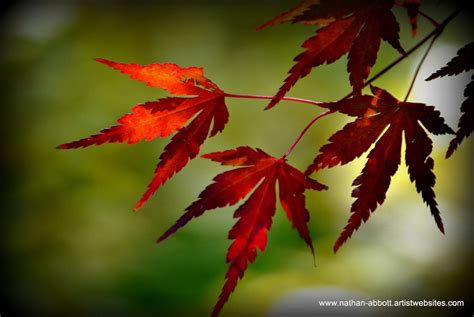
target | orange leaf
[{"x": 163, "y": 117}]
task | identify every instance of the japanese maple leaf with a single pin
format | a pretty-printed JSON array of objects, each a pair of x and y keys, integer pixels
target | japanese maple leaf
[
  {"x": 382, "y": 119},
  {"x": 204, "y": 102},
  {"x": 357, "y": 29},
  {"x": 257, "y": 172},
  {"x": 463, "y": 61}
]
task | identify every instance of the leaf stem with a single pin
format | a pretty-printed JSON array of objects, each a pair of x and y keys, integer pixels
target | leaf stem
[
  {"x": 420, "y": 64},
  {"x": 311, "y": 102},
  {"x": 306, "y": 128}
]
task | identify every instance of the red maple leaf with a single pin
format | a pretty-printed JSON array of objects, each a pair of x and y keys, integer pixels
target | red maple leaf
[
  {"x": 462, "y": 62},
  {"x": 357, "y": 29},
  {"x": 381, "y": 119},
  {"x": 205, "y": 102},
  {"x": 261, "y": 171}
]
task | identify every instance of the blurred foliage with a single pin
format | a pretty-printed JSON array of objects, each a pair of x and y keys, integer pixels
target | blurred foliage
[{"x": 71, "y": 245}]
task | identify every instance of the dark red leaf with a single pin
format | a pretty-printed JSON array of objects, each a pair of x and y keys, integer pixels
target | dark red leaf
[
  {"x": 255, "y": 215},
  {"x": 379, "y": 113},
  {"x": 357, "y": 29}
]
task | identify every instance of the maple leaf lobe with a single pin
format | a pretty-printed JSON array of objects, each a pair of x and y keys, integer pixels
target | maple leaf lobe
[{"x": 177, "y": 80}]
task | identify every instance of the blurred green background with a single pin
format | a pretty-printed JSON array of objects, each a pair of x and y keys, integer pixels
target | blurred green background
[{"x": 71, "y": 245}]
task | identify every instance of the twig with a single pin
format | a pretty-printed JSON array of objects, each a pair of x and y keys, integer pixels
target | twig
[
  {"x": 419, "y": 66},
  {"x": 300, "y": 136},
  {"x": 311, "y": 102}
]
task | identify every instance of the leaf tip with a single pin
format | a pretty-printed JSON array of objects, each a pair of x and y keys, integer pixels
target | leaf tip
[
  {"x": 101, "y": 60},
  {"x": 272, "y": 104},
  {"x": 165, "y": 235},
  {"x": 66, "y": 146},
  {"x": 206, "y": 156},
  {"x": 311, "y": 169},
  {"x": 343, "y": 237},
  {"x": 313, "y": 254},
  {"x": 439, "y": 223},
  {"x": 453, "y": 145},
  {"x": 139, "y": 204},
  {"x": 431, "y": 77},
  {"x": 105, "y": 62},
  {"x": 340, "y": 242}
]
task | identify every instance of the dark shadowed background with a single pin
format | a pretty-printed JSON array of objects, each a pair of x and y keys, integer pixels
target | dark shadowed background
[{"x": 71, "y": 245}]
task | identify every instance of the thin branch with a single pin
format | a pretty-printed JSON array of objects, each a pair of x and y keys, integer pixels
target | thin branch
[
  {"x": 311, "y": 102},
  {"x": 300, "y": 136},
  {"x": 420, "y": 64},
  {"x": 426, "y": 16}
]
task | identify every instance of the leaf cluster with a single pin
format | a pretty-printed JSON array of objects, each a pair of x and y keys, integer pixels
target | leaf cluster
[{"x": 197, "y": 110}]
